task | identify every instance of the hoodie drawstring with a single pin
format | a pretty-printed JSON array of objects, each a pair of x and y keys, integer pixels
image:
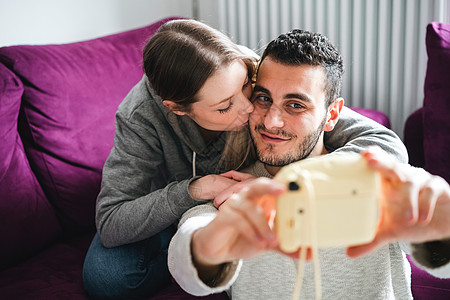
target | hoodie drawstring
[{"x": 194, "y": 155}]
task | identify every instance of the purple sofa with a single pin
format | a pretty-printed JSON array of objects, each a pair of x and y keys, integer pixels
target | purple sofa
[
  {"x": 427, "y": 136},
  {"x": 57, "y": 107}
]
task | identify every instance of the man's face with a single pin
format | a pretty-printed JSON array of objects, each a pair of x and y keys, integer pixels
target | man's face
[{"x": 290, "y": 114}]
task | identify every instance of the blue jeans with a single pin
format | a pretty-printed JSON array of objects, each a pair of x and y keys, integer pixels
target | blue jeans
[{"x": 136, "y": 270}]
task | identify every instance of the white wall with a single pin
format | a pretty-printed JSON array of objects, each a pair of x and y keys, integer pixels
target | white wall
[{"x": 63, "y": 21}]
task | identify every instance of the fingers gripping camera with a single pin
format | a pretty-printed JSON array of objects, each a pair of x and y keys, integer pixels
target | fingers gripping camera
[{"x": 331, "y": 201}]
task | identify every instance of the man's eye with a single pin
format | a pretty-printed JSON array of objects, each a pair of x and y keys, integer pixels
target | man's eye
[
  {"x": 296, "y": 105},
  {"x": 262, "y": 101}
]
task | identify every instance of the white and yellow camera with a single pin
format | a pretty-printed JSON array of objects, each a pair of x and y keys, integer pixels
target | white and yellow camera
[{"x": 331, "y": 201}]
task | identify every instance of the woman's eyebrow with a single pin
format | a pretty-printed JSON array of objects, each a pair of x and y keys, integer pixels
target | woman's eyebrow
[{"x": 221, "y": 101}]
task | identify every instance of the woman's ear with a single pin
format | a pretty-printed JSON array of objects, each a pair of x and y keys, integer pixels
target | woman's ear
[
  {"x": 334, "y": 110},
  {"x": 173, "y": 107}
]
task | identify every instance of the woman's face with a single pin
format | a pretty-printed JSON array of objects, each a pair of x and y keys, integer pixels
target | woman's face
[{"x": 223, "y": 101}]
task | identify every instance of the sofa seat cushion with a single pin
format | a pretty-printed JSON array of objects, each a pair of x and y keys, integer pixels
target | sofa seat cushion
[
  {"x": 425, "y": 286},
  {"x": 436, "y": 104},
  {"x": 28, "y": 221},
  {"x": 71, "y": 94},
  {"x": 55, "y": 273}
]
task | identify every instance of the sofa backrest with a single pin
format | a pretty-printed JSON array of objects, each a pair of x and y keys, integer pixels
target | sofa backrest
[
  {"x": 436, "y": 104},
  {"x": 60, "y": 102},
  {"x": 27, "y": 220}
]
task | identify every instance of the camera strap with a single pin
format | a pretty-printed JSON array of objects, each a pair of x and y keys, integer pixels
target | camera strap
[{"x": 309, "y": 223}]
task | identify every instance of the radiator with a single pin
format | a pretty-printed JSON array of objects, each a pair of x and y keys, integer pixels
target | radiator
[{"x": 382, "y": 42}]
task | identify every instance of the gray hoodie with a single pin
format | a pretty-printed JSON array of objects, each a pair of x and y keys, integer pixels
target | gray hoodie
[{"x": 156, "y": 155}]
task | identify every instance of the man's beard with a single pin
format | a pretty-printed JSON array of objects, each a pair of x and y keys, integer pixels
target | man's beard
[{"x": 303, "y": 151}]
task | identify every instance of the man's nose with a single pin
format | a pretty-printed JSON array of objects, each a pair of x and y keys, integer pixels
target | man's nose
[{"x": 273, "y": 118}]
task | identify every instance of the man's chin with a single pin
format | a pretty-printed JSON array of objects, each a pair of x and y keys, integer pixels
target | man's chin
[{"x": 275, "y": 162}]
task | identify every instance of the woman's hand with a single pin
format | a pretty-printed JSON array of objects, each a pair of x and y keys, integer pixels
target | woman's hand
[
  {"x": 242, "y": 181},
  {"x": 209, "y": 186}
]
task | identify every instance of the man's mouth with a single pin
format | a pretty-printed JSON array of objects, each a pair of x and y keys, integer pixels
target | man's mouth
[{"x": 272, "y": 138}]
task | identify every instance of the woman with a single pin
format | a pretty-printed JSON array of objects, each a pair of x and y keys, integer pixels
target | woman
[{"x": 171, "y": 132}]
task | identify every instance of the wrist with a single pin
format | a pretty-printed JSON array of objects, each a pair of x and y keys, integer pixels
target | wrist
[
  {"x": 207, "y": 270},
  {"x": 195, "y": 189}
]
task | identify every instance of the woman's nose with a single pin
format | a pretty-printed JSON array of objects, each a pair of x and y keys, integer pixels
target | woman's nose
[{"x": 247, "y": 106}]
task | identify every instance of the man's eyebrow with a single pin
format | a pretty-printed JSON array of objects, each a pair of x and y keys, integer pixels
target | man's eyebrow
[
  {"x": 299, "y": 96},
  {"x": 259, "y": 88}
]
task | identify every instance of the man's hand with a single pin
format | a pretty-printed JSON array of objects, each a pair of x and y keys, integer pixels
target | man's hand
[
  {"x": 415, "y": 205},
  {"x": 240, "y": 229}
]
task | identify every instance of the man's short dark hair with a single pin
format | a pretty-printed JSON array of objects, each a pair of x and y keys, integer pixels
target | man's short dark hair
[{"x": 298, "y": 47}]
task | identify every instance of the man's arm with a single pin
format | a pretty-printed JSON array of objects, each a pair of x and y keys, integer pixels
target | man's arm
[{"x": 205, "y": 253}]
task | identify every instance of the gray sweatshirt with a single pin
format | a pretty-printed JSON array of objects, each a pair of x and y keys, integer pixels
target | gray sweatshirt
[
  {"x": 383, "y": 274},
  {"x": 156, "y": 155}
]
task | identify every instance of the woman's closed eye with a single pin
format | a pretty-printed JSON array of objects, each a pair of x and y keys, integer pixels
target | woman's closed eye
[{"x": 226, "y": 109}]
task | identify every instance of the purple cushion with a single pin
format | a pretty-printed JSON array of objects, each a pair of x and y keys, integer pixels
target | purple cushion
[
  {"x": 56, "y": 273},
  {"x": 375, "y": 115},
  {"x": 71, "y": 94},
  {"x": 27, "y": 220},
  {"x": 436, "y": 105}
]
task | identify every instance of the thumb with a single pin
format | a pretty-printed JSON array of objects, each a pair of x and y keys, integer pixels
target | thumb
[
  {"x": 263, "y": 187},
  {"x": 360, "y": 250}
]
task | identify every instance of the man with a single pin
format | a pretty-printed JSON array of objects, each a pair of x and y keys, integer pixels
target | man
[{"x": 296, "y": 101}]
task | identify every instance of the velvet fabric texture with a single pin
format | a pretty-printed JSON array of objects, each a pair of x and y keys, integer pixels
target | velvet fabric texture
[
  {"x": 68, "y": 114},
  {"x": 57, "y": 110},
  {"x": 427, "y": 138},
  {"x": 436, "y": 104},
  {"x": 375, "y": 115},
  {"x": 425, "y": 287},
  {"x": 413, "y": 138},
  {"x": 28, "y": 222}
]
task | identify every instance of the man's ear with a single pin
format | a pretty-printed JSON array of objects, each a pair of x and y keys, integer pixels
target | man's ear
[
  {"x": 175, "y": 108},
  {"x": 334, "y": 110}
]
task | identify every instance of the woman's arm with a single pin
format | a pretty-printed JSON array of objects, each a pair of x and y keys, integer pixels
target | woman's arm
[{"x": 130, "y": 207}]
